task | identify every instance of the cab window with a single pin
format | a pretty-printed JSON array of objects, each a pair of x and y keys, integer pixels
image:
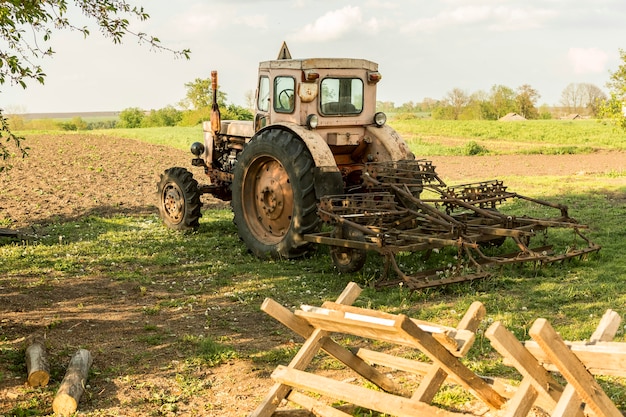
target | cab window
[
  {"x": 341, "y": 96},
  {"x": 284, "y": 99},
  {"x": 263, "y": 101}
]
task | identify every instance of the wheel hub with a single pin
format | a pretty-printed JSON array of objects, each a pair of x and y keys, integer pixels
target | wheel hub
[
  {"x": 172, "y": 203},
  {"x": 269, "y": 203},
  {"x": 271, "y": 199}
]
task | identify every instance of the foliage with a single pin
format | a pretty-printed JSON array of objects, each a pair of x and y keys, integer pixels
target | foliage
[
  {"x": 167, "y": 116},
  {"x": 12, "y": 141},
  {"x": 26, "y": 30},
  {"x": 77, "y": 123},
  {"x": 614, "y": 109},
  {"x": 131, "y": 117},
  {"x": 200, "y": 95},
  {"x": 582, "y": 97}
]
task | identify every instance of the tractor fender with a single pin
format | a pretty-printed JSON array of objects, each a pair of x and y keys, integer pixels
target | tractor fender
[
  {"x": 326, "y": 176},
  {"x": 387, "y": 145}
]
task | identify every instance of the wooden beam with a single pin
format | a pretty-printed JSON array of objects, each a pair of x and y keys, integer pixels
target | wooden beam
[
  {"x": 522, "y": 401},
  {"x": 573, "y": 369},
  {"x": 607, "y": 328},
  {"x": 298, "y": 325},
  {"x": 437, "y": 376},
  {"x": 314, "y": 406},
  {"x": 569, "y": 404},
  {"x": 364, "y": 397},
  {"x": 309, "y": 349},
  {"x": 510, "y": 348},
  {"x": 450, "y": 364},
  {"x": 601, "y": 358}
]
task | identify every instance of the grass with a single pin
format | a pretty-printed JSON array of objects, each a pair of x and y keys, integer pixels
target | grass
[{"x": 536, "y": 136}]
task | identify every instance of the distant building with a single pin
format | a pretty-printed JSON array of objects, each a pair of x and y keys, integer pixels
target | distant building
[{"x": 512, "y": 117}]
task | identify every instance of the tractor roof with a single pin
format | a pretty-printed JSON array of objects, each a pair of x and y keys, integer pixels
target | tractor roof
[
  {"x": 320, "y": 63},
  {"x": 284, "y": 61}
]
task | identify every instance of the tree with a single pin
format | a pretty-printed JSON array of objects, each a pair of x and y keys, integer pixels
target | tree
[
  {"x": 131, "y": 117},
  {"x": 457, "y": 99},
  {"x": 200, "y": 95},
  {"x": 526, "y": 100},
  {"x": 26, "y": 31},
  {"x": 167, "y": 116},
  {"x": 614, "y": 108},
  {"x": 503, "y": 100}
]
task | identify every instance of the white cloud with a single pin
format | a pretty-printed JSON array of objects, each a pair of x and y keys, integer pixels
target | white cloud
[
  {"x": 332, "y": 25},
  {"x": 495, "y": 18},
  {"x": 587, "y": 60}
]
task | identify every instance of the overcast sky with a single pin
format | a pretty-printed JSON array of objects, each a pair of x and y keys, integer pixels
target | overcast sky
[{"x": 423, "y": 48}]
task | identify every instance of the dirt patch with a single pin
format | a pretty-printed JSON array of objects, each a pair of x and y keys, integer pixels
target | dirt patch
[{"x": 71, "y": 176}]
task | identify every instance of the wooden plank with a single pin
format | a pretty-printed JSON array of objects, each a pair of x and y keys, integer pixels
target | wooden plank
[
  {"x": 569, "y": 404},
  {"x": 470, "y": 323},
  {"x": 367, "y": 398},
  {"x": 333, "y": 321},
  {"x": 394, "y": 362},
  {"x": 314, "y": 406},
  {"x": 607, "y": 328},
  {"x": 436, "y": 376},
  {"x": 429, "y": 386},
  {"x": 450, "y": 364},
  {"x": 473, "y": 317},
  {"x": 573, "y": 369},
  {"x": 523, "y": 400},
  {"x": 302, "y": 359},
  {"x": 512, "y": 349},
  {"x": 601, "y": 358},
  {"x": 300, "y": 326},
  {"x": 349, "y": 409},
  {"x": 453, "y": 339}
]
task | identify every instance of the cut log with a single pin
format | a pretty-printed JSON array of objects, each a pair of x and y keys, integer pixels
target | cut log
[
  {"x": 73, "y": 385},
  {"x": 37, "y": 365}
]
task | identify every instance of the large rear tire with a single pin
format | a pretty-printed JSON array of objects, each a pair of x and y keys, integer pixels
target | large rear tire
[
  {"x": 179, "y": 199},
  {"x": 274, "y": 201}
]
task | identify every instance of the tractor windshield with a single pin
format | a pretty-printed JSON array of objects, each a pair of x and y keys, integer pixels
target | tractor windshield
[{"x": 341, "y": 96}]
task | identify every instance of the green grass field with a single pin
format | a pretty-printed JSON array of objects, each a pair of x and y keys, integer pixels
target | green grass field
[{"x": 572, "y": 296}]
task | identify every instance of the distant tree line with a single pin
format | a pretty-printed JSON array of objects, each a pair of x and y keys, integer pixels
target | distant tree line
[
  {"x": 500, "y": 100},
  {"x": 196, "y": 107}
]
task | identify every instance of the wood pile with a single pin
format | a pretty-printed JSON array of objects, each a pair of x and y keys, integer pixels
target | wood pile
[{"x": 536, "y": 360}]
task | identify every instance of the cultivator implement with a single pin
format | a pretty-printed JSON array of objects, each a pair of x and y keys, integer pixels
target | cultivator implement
[{"x": 409, "y": 209}]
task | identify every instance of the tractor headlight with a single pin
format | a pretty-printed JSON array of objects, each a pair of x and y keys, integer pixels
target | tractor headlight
[
  {"x": 197, "y": 149},
  {"x": 311, "y": 121},
  {"x": 380, "y": 119}
]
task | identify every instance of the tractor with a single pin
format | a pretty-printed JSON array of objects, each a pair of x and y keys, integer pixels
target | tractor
[
  {"x": 318, "y": 152},
  {"x": 315, "y": 127}
]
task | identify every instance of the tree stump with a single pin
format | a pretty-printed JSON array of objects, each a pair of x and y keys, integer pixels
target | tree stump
[
  {"x": 37, "y": 364},
  {"x": 73, "y": 385}
]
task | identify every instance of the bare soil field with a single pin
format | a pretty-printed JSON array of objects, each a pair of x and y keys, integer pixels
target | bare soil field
[{"x": 67, "y": 177}]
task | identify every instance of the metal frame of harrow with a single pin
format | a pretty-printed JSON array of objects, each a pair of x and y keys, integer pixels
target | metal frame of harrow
[{"x": 463, "y": 216}]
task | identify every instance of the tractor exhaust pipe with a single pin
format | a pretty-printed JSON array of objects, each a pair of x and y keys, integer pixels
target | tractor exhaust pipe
[{"x": 216, "y": 118}]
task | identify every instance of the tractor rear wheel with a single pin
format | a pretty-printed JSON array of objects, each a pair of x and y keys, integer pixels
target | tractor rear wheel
[
  {"x": 274, "y": 201},
  {"x": 179, "y": 199}
]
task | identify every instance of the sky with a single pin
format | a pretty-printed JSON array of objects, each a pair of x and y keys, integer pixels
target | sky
[{"x": 424, "y": 48}]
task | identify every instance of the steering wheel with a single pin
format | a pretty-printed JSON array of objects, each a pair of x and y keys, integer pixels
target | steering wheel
[{"x": 285, "y": 99}]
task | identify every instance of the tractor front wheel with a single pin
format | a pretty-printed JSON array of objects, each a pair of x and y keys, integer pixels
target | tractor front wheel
[
  {"x": 179, "y": 199},
  {"x": 274, "y": 201}
]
